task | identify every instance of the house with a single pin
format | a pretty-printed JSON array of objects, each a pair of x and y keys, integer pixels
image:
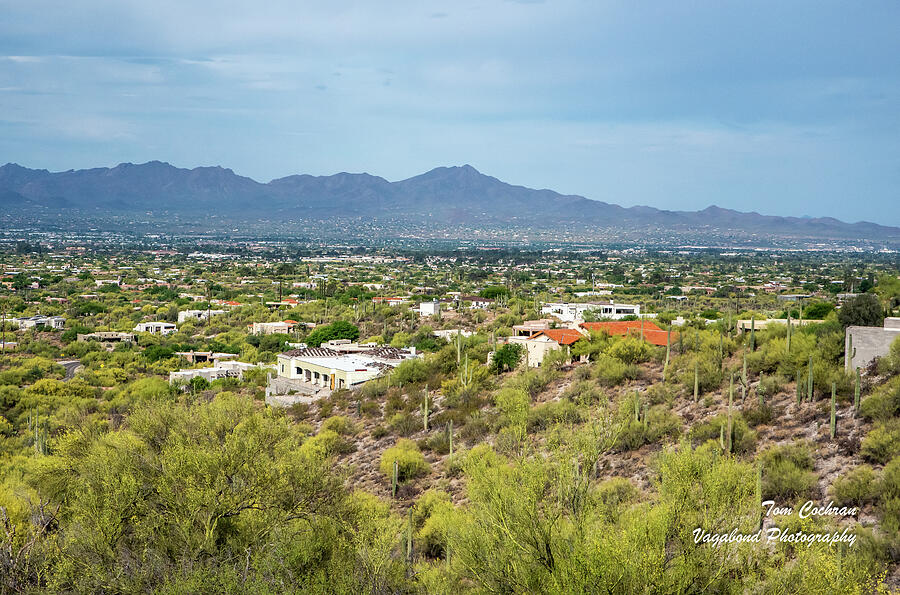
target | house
[
  {"x": 862, "y": 344},
  {"x": 573, "y": 312},
  {"x": 529, "y": 327},
  {"x": 450, "y": 334},
  {"x": 432, "y": 308},
  {"x": 198, "y": 314},
  {"x": 221, "y": 370},
  {"x": 745, "y": 326},
  {"x": 543, "y": 342},
  {"x": 635, "y": 328},
  {"x": 199, "y": 357},
  {"x": 156, "y": 328},
  {"x": 107, "y": 339},
  {"x": 390, "y": 301},
  {"x": 315, "y": 372},
  {"x": 54, "y": 322},
  {"x": 476, "y": 302},
  {"x": 285, "y": 327}
]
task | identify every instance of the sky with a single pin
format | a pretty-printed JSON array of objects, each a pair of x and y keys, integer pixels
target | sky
[{"x": 784, "y": 108}]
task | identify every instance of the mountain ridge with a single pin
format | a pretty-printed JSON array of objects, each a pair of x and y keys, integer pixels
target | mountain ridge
[{"x": 444, "y": 195}]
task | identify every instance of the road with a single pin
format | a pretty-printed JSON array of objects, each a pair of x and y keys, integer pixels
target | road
[{"x": 71, "y": 367}]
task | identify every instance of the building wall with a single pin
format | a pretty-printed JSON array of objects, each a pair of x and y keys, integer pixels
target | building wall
[
  {"x": 535, "y": 349},
  {"x": 869, "y": 342}
]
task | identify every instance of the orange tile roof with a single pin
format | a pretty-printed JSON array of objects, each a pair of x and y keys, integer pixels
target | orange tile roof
[
  {"x": 563, "y": 336},
  {"x": 652, "y": 333}
]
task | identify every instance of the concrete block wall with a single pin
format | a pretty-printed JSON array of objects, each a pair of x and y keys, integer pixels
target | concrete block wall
[{"x": 869, "y": 342}]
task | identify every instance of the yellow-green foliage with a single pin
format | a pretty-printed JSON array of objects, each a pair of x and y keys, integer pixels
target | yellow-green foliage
[
  {"x": 787, "y": 472},
  {"x": 882, "y": 443},
  {"x": 884, "y": 403},
  {"x": 630, "y": 350},
  {"x": 410, "y": 462},
  {"x": 856, "y": 487}
]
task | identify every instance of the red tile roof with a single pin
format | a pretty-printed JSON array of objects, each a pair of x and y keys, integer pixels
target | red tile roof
[
  {"x": 652, "y": 333},
  {"x": 563, "y": 336}
]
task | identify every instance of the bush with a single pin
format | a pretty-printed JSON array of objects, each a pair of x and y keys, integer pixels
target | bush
[
  {"x": 882, "y": 443},
  {"x": 884, "y": 403},
  {"x": 584, "y": 392},
  {"x": 403, "y": 424},
  {"x": 547, "y": 414},
  {"x": 660, "y": 422},
  {"x": 410, "y": 462},
  {"x": 856, "y": 488},
  {"x": 340, "y": 425},
  {"x": 614, "y": 493},
  {"x": 336, "y": 330},
  {"x": 411, "y": 371},
  {"x": 743, "y": 439},
  {"x": 787, "y": 472},
  {"x": 630, "y": 350},
  {"x": 609, "y": 371}
]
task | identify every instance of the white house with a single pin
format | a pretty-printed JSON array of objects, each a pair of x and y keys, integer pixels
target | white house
[
  {"x": 54, "y": 322},
  {"x": 430, "y": 308},
  {"x": 316, "y": 371},
  {"x": 571, "y": 312},
  {"x": 198, "y": 314},
  {"x": 157, "y": 328},
  {"x": 224, "y": 369}
]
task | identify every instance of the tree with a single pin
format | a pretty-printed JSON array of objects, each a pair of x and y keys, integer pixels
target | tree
[
  {"x": 862, "y": 310},
  {"x": 340, "y": 329},
  {"x": 506, "y": 357}
]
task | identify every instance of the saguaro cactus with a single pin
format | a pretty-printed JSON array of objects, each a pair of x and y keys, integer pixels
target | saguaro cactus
[
  {"x": 696, "y": 381},
  {"x": 721, "y": 350},
  {"x": 809, "y": 381},
  {"x": 799, "y": 388},
  {"x": 856, "y": 390},
  {"x": 744, "y": 370},
  {"x": 789, "y": 325},
  {"x": 728, "y": 438},
  {"x": 833, "y": 411},
  {"x": 668, "y": 349},
  {"x": 752, "y": 333},
  {"x": 409, "y": 535},
  {"x": 450, "y": 436}
]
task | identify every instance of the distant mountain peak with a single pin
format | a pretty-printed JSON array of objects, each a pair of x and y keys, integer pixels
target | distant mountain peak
[{"x": 457, "y": 196}]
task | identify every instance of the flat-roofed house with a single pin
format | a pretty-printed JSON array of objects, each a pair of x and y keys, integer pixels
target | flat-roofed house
[
  {"x": 156, "y": 328},
  {"x": 574, "y": 311},
  {"x": 315, "y": 372}
]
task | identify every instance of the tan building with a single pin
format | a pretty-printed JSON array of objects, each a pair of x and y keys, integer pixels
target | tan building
[{"x": 538, "y": 345}]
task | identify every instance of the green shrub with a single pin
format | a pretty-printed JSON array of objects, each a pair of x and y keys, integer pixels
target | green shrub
[
  {"x": 884, "y": 403},
  {"x": 787, "y": 472},
  {"x": 856, "y": 488},
  {"x": 410, "y": 462},
  {"x": 630, "y": 350},
  {"x": 584, "y": 392},
  {"x": 404, "y": 424},
  {"x": 328, "y": 442},
  {"x": 743, "y": 438},
  {"x": 882, "y": 443},
  {"x": 613, "y": 494},
  {"x": 660, "y": 422},
  {"x": 543, "y": 416},
  {"x": 609, "y": 371},
  {"x": 341, "y": 425}
]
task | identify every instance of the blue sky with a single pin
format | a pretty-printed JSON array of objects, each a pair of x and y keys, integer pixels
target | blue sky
[{"x": 788, "y": 108}]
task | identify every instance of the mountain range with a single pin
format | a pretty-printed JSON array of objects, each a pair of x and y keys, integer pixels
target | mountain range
[{"x": 445, "y": 196}]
